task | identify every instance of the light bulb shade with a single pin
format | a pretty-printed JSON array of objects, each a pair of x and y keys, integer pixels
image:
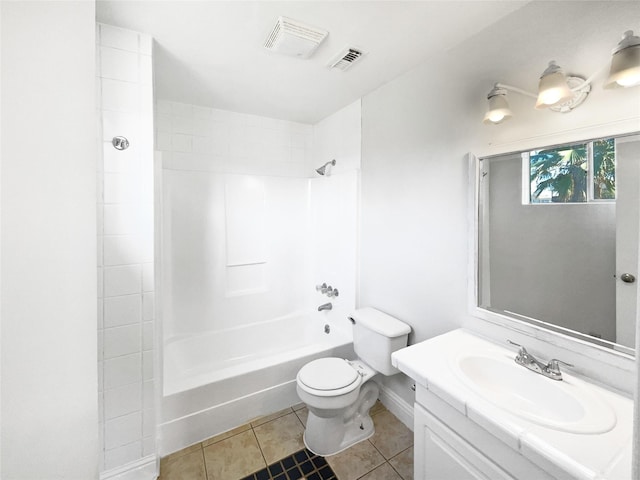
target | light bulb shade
[
  {"x": 498, "y": 107},
  {"x": 625, "y": 63},
  {"x": 553, "y": 88}
]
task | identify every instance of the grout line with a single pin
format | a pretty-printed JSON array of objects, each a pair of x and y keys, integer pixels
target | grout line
[
  {"x": 377, "y": 449},
  {"x": 264, "y": 459},
  {"x": 374, "y": 468},
  {"x": 392, "y": 468},
  {"x": 300, "y": 420},
  {"x": 204, "y": 461}
]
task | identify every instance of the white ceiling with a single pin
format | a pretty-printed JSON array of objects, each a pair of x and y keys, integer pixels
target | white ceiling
[{"x": 210, "y": 52}]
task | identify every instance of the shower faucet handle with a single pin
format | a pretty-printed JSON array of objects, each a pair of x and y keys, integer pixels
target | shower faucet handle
[{"x": 329, "y": 291}]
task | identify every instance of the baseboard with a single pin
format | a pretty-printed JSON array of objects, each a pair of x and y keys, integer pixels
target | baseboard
[
  {"x": 144, "y": 469},
  {"x": 396, "y": 405}
]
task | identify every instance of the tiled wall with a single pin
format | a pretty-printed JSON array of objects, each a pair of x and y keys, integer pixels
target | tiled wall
[
  {"x": 339, "y": 136},
  {"x": 125, "y": 250},
  {"x": 192, "y": 137}
]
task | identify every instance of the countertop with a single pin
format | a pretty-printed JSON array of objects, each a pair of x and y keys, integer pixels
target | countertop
[{"x": 594, "y": 456}]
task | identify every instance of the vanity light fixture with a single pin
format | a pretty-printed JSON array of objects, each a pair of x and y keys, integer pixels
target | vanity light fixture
[
  {"x": 553, "y": 88},
  {"x": 498, "y": 106},
  {"x": 625, "y": 62},
  {"x": 562, "y": 94}
]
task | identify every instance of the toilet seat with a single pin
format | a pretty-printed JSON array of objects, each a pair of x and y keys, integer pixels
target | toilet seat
[{"x": 328, "y": 377}]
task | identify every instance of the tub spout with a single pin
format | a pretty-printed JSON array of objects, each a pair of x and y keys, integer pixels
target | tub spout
[{"x": 326, "y": 306}]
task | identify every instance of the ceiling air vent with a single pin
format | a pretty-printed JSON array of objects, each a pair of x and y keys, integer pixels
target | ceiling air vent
[
  {"x": 293, "y": 38},
  {"x": 346, "y": 58}
]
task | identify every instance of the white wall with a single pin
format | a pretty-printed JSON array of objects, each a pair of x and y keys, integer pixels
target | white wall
[
  {"x": 1, "y": 68},
  {"x": 49, "y": 379},
  {"x": 126, "y": 299},
  {"x": 413, "y": 262},
  {"x": 417, "y": 129}
]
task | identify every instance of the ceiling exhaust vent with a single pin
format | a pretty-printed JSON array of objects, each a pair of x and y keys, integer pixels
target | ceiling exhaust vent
[
  {"x": 346, "y": 58},
  {"x": 293, "y": 38}
]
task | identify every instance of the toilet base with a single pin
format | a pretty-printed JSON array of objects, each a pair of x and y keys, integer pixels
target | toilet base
[
  {"x": 354, "y": 432},
  {"x": 328, "y": 436}
]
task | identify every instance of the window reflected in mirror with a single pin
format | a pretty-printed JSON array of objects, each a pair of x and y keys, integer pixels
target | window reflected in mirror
[{"x": 574, "y": 173}]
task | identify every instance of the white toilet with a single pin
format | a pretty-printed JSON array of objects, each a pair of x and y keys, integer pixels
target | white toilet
[{"x": 339, "y": 393}]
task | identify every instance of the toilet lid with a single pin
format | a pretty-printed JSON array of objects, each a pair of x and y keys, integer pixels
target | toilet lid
[{"x": 328, "y": 374}]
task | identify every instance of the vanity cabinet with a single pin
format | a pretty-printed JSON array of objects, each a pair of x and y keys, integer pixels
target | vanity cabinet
[
  {"x": 450, "y": 446},
  {"x": 444, "y": 454}
]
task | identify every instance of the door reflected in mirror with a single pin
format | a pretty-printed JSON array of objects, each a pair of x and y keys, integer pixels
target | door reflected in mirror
[{"x": 558, "y": 238}]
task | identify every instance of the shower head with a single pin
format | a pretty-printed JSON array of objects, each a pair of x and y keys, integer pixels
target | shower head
[{"x": 323, "y": 168}]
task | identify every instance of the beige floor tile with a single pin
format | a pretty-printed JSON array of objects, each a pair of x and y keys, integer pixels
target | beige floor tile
[
  {"x": 392, "y": 436},
  {"x": 281, "y": 437},
  {"x": 355, "y": 461},
  {"x": 234, "y": 457},
  {"x": 303, "y": 414},
  {"x": 383, "y": 472},
  {"x": 267, "y": 418},
  {"x": 377, "y": 408},
  {"x": 403, "y": 464},
  {"x": 186, "y": 467},
  {"x": 180, "y": 453},
  {"x": 299, "y": 406},
  {"x": 225, "y": 435}
]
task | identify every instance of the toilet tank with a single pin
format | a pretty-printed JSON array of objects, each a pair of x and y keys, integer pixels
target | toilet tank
[{"x": 376, "y": 336}]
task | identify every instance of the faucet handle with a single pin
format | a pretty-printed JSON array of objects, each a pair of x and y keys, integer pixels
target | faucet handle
[
  {"x": 522, "y": 349},
  {"x": 554, "y": 365},
  {"x": 320, "y": 287},
  {"x": 552, "y": 370}
]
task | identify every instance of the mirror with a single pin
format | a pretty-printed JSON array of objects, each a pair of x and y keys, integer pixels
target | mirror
[{"x": 557, "y": 242}]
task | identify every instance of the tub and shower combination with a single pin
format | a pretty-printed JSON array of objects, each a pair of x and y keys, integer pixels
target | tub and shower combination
[
  {"x": 215, "y": 382},
  {"x": 231, "y": 346}
]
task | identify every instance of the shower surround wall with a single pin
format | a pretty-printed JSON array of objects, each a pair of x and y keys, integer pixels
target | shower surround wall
[
  {"x": 249, "y": 227},
  {"x": 229, "y": 179},
  {"x": 125, "y": 256}
]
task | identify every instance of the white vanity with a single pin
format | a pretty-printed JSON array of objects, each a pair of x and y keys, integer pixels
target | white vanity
[{"x": 479, "y": 415}]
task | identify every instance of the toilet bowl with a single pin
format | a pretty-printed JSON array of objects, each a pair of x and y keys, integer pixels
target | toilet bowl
[{"x": 339, "y": 393}]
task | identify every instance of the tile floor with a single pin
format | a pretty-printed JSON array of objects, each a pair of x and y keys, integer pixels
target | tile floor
[{"x": 387, "y": 455}]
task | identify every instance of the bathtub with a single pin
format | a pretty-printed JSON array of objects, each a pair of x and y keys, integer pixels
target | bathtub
[{"x": 216, "y": 381}]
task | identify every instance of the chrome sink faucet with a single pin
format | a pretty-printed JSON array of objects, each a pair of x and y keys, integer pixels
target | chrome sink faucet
[{"x": 550, "y": 370}]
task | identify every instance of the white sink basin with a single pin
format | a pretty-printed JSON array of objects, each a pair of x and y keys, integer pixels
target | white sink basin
[{"x": 568, "y": 405}]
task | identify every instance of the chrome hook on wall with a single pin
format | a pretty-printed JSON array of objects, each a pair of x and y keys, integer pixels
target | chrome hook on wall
[{"x": 120, "y": 143}]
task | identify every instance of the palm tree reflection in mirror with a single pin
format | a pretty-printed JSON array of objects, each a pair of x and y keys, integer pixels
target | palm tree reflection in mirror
[{"x": 561, "y": 174}]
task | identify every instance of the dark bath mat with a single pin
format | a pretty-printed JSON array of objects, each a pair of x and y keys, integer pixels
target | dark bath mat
[{"x": 302, "y": 464}]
